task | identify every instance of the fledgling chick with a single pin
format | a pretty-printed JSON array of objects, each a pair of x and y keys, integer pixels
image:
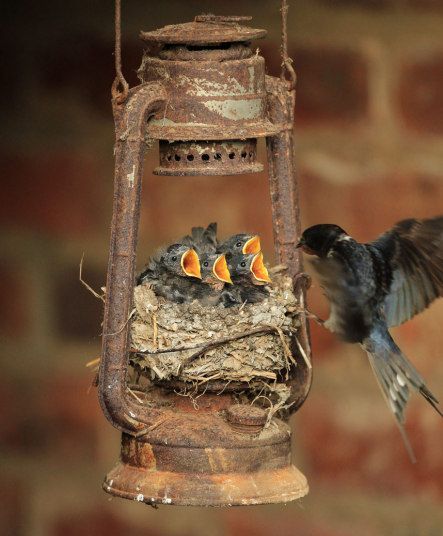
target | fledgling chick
[
  {"x": 201, "y": 239},
  {"x": 173, "y": 272},
  {"x": 249, "y": 275},
  {"x": 215, "y": 277},
  {"x": 242, "y": 243},
  {"x": 372, "y": 287}
]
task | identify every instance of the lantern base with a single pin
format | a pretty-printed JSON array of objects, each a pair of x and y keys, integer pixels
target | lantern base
[
  {"x": 213, "y": 464},
  {"x": 220, "y": 489}
]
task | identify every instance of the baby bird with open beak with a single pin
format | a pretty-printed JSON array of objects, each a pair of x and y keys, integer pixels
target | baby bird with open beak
[
  {"x": 173, "y": 272},
  {"x": 250, "y": 276},
  {"x": 242, "y": 243}
]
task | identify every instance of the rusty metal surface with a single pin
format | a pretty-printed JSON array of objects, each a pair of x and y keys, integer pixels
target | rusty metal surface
[
  {"x": 130, "y": 123},
  {"x": 206, "y": 451},
  {"x": 200, "y": 459},
  {"x": 204, "y": 32},
  {"x": 214, "y": 489},
  {"x": 285, "y": 202},
  {"x": 231, "y": 157},
  {"x": 210, "y": 100},
  {"x": 246, "y": 419}
]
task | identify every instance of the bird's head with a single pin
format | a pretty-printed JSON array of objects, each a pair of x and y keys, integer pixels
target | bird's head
[
  {"x": 318, "y": 239},
  {"x": 182, "y": 260},
  {"x": 214, "y": 268},
  {"x": 251, "y": 266},
  {"x": 242, "y": 243}
]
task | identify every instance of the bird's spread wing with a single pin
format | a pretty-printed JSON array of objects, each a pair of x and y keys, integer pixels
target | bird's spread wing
[
  {"x": 350, "y": 317},
  {"x": 414, "y": 251}
]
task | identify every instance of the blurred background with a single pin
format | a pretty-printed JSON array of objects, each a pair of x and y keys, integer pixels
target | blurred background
[{"x": 369, "y": 126}]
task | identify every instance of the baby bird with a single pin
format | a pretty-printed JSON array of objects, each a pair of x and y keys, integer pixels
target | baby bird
[
  {"x": 172, "y": 273},
  {"x": 250, "y": 276},
  {"x": 372, "y": 287},
  {"x": 240, "y": 244},
  {"x": 201, "y": 239},
  {"x": 215, "y": 277}
]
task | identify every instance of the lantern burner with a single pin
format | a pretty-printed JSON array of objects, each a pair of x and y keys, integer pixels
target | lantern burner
[{"x": 230, "y": 157}]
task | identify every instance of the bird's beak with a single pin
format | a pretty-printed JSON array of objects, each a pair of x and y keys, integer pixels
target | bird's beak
[
  {"x": 221, "y": 270},
  {"x": 252, "y": 246},
  {"x": 191, "y": 264},
  {"x": 259, "y": 270},
  {"x": 300, "y": 244}
]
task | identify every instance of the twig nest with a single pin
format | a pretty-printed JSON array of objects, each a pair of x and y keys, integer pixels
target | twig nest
[{"x": 195, "y": 329}]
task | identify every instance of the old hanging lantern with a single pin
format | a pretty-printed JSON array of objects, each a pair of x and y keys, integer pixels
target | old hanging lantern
[{"x": 205, "y": 97}]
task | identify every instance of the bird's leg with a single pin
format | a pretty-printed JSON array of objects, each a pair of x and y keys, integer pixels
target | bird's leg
[{"x": 304, "y": 280}]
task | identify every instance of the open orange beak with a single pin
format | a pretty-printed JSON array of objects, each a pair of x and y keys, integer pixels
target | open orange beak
[
  {"x": 191, "y": 264},
  {"x": 252, "y": 246},
  {"x": 221, "y": 270},
  {"x": 259, "y": 270}
]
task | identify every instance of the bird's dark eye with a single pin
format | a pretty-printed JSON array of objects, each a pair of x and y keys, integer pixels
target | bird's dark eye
[
  {"x": 243, "y": 264},
  {"x": 174, "y": 258},
  {"x": 238, "y": 245},
  {"x": 206, "y": 263}
]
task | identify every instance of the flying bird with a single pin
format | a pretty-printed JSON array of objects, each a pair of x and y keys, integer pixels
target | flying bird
[
  {"x": 173, "y": 273},
  {"x": 372, "y": 287}
]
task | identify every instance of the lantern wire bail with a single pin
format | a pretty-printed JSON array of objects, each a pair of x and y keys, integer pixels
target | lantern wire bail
[
  {"x": 120, "y": 87},
  {"x": 286, "y": 61}
]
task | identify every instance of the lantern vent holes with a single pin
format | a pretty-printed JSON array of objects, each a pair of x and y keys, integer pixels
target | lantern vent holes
[{"x": 208, "y": 157}]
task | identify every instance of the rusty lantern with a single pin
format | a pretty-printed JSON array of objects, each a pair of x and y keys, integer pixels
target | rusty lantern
[{"x": 205, "y": 97}]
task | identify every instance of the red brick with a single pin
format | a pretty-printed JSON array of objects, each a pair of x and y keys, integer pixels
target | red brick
[
  {"x": 85, "y": 64},
  {"x": 97, "y": 522},
  {"x": 58, "y": 418},
  {"x": 372, "y": 457},
  {"x": 59, "y": 193},
  {"x": 367, "y": 208},
  {"x": 385, "y": 4},
  {"x": 242, "y": 523},
  {"x": 14, "y": 313},
  {"x": 13, "y": 500},
  {"x": 420, "y": 93},
  {"x": 78, "y": 313},
  {"x": 69, "y": 416},
  {"x": 332, "y": 85}
]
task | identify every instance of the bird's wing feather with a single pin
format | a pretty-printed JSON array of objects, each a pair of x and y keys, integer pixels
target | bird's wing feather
[
  {"x": 414, "y": 251},
  {"x": 350, "y": 316}
]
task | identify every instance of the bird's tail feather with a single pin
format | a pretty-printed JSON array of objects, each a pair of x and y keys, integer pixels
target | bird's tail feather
[{"x": 395, "y": 374}]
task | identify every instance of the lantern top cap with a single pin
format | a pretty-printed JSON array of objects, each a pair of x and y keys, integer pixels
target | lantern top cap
[{"x": 205, "y": 30}]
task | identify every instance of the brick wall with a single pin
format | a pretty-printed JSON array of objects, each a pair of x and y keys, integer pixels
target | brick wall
[{"x": 370, "y": 151}]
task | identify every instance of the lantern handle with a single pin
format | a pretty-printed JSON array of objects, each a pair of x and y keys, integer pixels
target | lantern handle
[
  {"x": 131, "y": 118},
  {"x": 120, "y": 87},
  {"x": 286, "y": 61}
]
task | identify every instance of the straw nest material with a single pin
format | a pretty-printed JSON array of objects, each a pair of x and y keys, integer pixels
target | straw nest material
[{"x": 195, "y": 343}]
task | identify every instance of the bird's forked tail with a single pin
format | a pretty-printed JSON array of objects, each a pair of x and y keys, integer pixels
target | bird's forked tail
[{"x": 395, "y": 375}]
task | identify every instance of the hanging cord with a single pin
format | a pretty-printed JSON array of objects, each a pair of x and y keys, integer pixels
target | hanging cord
[
  {"x": 120, "y": 87},
  {"x": 286, "y": 61}
]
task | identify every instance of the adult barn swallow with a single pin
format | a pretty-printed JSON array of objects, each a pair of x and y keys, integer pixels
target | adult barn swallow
[
  {"x": 172, "y": 272},
  {"x": 249, "y": 275},
  {"x": 242, "y": 243},
  {"x": 372, "y": 287}
]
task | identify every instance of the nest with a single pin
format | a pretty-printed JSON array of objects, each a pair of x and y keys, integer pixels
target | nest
[{"x": 194, "y": 343}]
